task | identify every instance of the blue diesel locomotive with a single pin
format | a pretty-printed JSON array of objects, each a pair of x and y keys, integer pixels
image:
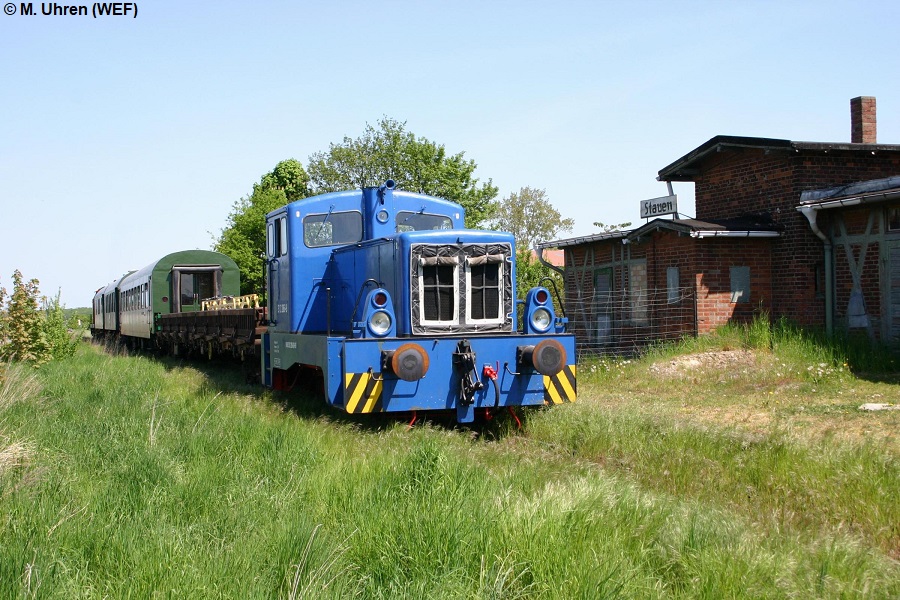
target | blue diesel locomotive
[
  {"x": 381, "y": 296},
  {"x": 397, "y": 307}
]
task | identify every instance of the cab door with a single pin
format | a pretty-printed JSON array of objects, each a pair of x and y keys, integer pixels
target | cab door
[{"x": 278, "y": 283}]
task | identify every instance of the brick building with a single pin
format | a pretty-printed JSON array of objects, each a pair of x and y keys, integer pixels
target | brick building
[{"x": 805, "y": 230}]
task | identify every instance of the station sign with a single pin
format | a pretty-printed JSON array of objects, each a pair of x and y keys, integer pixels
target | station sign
[{"x": 655, "y": 207}]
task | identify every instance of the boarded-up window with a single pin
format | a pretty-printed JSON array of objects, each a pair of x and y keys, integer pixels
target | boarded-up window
[
  {"x": 602, "y": 305},
  {"x": 673, "y": 293},
  {"x": 740, "y": 284},
  {"x": 637, "y": 288}
]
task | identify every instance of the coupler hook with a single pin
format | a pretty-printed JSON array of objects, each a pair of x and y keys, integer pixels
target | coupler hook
[{"x": 464, "y": 360}]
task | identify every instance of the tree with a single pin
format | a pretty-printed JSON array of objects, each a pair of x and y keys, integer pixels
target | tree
[
  {"x": 415, "y": 164},
  {"x": 610, "y": 228},
  {"x": 23, "y": 331},
  {"x": 28, "y": 333},
  {"x": 244, "y": 236},
  {"x": 289, "y": 177},
  {"x": 530, "y": 217},
  {"x": 58, "y": 331}
]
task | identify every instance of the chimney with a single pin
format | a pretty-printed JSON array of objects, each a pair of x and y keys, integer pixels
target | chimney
[{"x": 862, "y": 120}]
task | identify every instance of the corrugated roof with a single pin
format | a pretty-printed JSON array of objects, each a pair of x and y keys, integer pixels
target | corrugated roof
[{"x": 870, "y": 189}]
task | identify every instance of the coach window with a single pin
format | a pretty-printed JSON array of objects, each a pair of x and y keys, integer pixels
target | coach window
[
  {"x": 205, "y": 285},
  {"x": 187, "y": 289}
]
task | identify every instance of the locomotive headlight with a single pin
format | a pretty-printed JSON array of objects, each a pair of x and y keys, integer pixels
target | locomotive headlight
[
  {"x": 540, "y": 319},
  {"x": 380, "y": 323}
]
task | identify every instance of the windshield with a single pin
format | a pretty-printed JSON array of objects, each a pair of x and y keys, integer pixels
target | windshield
[{"x": 410, "y": 221}]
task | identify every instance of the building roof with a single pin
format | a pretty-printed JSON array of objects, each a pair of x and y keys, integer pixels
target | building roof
[
  {"x": 584, "y": 239},
  {"x": 860, "y": 192},
  {"x": 749, "y": 226},
  {"x": 687, "y": 167}
]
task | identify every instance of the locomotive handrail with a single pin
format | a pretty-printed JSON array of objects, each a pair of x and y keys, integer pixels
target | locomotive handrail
[
  {"x": 555, "y": 291},
  {"x": 359, "y": 297},
  {"x": 327, "y": 306},
  {"x": 508, "y": 370}
]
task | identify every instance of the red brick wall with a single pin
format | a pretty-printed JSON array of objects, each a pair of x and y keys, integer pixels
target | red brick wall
[
  {"x": 668, "y": 249},
  {"x": 863, "y": 124},
  {"x": 741, "y": 181},
  {"x": 715, "y": 257}
]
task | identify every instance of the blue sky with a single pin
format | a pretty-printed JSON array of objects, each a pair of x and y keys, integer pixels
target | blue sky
[{"x": 122, "y": 140}]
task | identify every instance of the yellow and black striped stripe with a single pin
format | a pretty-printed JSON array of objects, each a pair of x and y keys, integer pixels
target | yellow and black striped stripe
[
  {"x": 561, "y": 387},
  {"x": 362, "y": 392}
]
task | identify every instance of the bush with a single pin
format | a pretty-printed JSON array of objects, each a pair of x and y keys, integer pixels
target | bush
[{"x": 29, "y": 333}]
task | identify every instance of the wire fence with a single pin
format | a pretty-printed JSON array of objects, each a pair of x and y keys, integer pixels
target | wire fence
[{"x": 622, "y": 323}]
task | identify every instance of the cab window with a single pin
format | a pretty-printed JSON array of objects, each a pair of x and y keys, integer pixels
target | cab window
[
  {"x": 413, "y": 221},
  {"x": 332, "y": 229},
  {"x": 276, "y": 238}
]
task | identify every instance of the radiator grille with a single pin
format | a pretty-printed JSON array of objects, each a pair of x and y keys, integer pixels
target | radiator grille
[{"x": 461, "y": 288}]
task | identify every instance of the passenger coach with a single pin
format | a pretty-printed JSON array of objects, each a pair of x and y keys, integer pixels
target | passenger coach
[{"x": 131, "y": 307}]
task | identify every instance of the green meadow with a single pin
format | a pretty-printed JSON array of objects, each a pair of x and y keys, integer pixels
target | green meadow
[{"x": 738, "y": 466}]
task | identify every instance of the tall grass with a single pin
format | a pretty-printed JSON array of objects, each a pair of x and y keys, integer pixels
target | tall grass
[
  {"x": 791, "y": 342},
  {"x": 17, "y": 384},
  {"x": 151, "y": 478}
]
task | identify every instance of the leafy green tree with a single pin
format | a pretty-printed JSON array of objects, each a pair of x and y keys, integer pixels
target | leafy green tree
[
  {"x": 531, "y": 272},
  {"x": 58, "y": 331},
  {"x": 289, "y": 177},
  {"x": 610, "y": 228},
  {"x": 244, "y": 236},
  {"x": 415, "y": 164},
  {"x": 22, "y": 334},
  {"x": 530, "y": 217}
]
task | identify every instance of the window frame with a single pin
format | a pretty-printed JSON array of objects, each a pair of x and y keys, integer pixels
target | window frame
[
  {"x": 403, "y": 213},
  {"x": 673, "y": 294},
  {"x": 740, "y": 295},
  {"x": 638, "y": 299},
  {"x": 454, "y": 319},
  {"x": 500, "y": 318},
  {"x": 307, "y": 220}
]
